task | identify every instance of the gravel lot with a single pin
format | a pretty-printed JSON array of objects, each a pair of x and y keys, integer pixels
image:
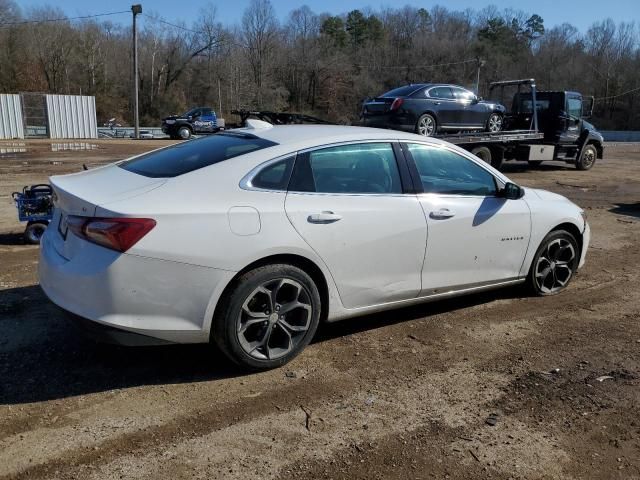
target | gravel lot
[{"x": 405, "y": 394}]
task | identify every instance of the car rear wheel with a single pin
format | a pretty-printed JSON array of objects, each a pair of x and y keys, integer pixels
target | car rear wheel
[
  {"x": 494, "y": 124},
  {"x": 587, "y": 158},
  {"x": 426, "y": 125},
  {"x": 268, "y": 318},
  {"x": 184, "y": 133},
  {"x": 554, "y": 264}
]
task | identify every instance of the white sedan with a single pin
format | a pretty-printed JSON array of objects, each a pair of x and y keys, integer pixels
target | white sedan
[{"x": 251, "y": 237}]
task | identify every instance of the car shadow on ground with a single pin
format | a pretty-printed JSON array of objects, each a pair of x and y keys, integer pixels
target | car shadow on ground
[
  {"x": 45, "y": 356},
  {"x": 627, "y": 209},
  {"x": 12, "y": 239}
]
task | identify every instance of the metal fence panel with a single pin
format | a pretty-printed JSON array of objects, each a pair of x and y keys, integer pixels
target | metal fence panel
[
  {"x": 11, "y": 125},
  {"x": 72, "y": 116}
]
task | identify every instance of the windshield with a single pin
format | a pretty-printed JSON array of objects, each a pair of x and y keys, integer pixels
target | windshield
[
  {"x": 191, "y": 112},
  {"x": 194, "y": 154}
]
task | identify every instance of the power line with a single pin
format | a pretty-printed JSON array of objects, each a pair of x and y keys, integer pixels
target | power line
[
  {"x": 156, "y": 19},
  {"x": 619, "y": 95},
  {"x": 63, "y": 19}
]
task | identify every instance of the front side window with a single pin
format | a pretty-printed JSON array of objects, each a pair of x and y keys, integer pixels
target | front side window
[
  {"x": 574, "y": 107},
  {"x": 441, "y": 92},
  {"x": 462, "y": 94},
  {"x": 357, "y": 168},
  {"x": 445, "y": 172},
  {"x": 195, "y": 154}
]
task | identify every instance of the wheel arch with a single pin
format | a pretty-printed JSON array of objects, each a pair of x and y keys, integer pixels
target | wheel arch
[
  {"x": 304, "y": 263},
  {"x": 567, "y": 226}
]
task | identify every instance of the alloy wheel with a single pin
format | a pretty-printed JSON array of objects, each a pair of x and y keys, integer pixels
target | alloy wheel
[
  {"x": 274, "y": 318},
  {"x": 426, "y": 126},
  {"x": 495, "y": 123},
  {"x": 555, "y": 264}
]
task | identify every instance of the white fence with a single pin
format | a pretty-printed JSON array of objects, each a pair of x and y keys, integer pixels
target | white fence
[
  {"x": 66, "y": 116},
  {"x": 11, "y": 124},
  {"x": 72, "y": 116}
]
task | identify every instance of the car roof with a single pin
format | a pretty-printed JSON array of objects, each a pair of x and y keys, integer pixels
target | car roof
[{"x": 308, "y": 136}]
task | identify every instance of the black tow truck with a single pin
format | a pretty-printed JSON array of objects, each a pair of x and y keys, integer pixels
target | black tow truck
[{"x": 555, "y": 130}]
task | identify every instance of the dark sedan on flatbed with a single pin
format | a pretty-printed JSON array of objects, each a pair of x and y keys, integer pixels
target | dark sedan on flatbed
[{"x": 430, "y": 108}]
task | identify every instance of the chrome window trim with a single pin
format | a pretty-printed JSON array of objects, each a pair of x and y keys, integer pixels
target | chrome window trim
[{"x": 246, "y": 181}]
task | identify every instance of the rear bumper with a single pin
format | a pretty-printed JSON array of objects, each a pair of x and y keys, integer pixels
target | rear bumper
[
  {"x": 392, "y": 121},
  {"x": 165, "y": 300}
]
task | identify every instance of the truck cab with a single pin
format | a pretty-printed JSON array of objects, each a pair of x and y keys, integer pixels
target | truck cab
[
  {"x": 197, "y": 121},
  {"x": 561, "y": 118}
]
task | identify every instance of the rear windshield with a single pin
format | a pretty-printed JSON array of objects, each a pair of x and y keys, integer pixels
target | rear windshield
[
  {"x": 194, "y": 154},
  {"x": 402, "y": 91}
]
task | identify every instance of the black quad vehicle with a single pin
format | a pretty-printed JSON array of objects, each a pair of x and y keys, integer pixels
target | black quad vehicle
[{"x": 197, "y": 121}]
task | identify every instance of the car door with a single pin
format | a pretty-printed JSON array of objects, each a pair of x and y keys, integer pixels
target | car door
[
  {"x": 471, "y": 112},
  {"x": 474, "y": 236},
  {"x": 573, "y": 119},
  {"x": 347, "y": 203},
  {"x": 207, "y": 121},
  {"x": 441, "y": 101}
]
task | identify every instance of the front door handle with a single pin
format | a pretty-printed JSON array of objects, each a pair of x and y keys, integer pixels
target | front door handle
[
  {"x": 324, "y": 217},
  {"x": 441, "y": 214}
]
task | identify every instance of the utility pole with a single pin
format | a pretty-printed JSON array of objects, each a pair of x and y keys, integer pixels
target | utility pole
[
  {"x": 136, "y": 10},
  {"x": 480, "y": 64}
]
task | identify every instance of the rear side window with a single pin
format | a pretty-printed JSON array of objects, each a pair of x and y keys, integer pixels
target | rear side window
[
  {"x": 194, "y": 154},
  {"x": 445, "y": 172},
  {"x": 441, "y": 92},
  {"x": 275, "y": 176},
  {"x": 358, "y": 168}
]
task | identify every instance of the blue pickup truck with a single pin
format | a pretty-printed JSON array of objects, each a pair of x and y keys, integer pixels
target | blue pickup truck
[{"x": 197, "y": 121}]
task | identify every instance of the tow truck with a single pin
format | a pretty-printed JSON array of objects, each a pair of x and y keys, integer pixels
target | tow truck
[{"x": 555, "y": 130}]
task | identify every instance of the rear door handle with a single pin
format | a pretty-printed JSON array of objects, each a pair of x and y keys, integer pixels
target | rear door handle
[
  {"x": 324, "y": 217},
  {"x": 441, "y": 214}
]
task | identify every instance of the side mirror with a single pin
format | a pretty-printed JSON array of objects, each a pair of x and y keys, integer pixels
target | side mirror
[
  {"x": 475, "y": 100},
  {"x": 511, "y": 191}
]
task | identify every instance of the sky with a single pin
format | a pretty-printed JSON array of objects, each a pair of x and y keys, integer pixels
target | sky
[{"x": 580, "y": 13}]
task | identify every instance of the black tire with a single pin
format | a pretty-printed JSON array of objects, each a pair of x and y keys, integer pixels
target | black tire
[
  {"x": 562, "y": 262},
  {"x": 233, "y": 327},
  {"x": 184, "y": 133},
  {"x": 494, "y": 123},
  {"x": 534, "y": 163},
  {"x": 587, "y": 158},
  {"x": 34, "y": 231},
  {"x": 483, "y": 153},
  {"x": 427, "y": 125}
]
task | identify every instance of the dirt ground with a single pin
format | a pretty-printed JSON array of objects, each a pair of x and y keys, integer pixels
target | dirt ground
[{"x": 405, "y": 394}]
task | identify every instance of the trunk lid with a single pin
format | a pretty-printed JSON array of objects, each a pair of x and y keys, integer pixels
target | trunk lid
[
  {"x": 81, "y": 194},
  {"x": 378, "y": 105}
]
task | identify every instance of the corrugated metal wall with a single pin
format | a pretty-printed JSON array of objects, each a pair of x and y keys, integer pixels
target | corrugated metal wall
[
  {"x": 72, "y": 116},
  {"x": 11, "y": 124}
]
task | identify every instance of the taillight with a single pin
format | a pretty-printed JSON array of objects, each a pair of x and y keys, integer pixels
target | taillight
[
  {"x": 397, "y": 103},
  {"x": 115, "y": 233}
]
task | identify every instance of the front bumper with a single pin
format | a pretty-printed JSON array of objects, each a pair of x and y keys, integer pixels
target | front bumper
[
  {"x": 586, "y": 238},
  {"x": 166, "y": 300}
]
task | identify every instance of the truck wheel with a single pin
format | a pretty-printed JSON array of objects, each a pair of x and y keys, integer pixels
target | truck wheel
[
  {"x": 426, "y": 125},
  {"x": 494, "y": 124},
  {"x": 483, "y": 153},
  {"x": 587, "y": 158},
  {"x": 184, "y": 133},
  {"x": 34, "y": 231}
]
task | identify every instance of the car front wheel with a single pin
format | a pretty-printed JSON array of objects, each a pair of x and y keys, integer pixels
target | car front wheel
[
  {"x": 268, "y": 318},
  {"x": 426, "y": 125},
  {"x": 554, "y": 264},
  {"x": 494, "y": 124}
]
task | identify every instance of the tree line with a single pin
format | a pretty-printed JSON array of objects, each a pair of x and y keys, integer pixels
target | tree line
[{"x": 314, "y": 63}]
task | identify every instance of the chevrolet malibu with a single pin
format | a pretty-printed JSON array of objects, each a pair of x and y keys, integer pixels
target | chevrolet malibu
[{"x": 250, "y": 238}]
